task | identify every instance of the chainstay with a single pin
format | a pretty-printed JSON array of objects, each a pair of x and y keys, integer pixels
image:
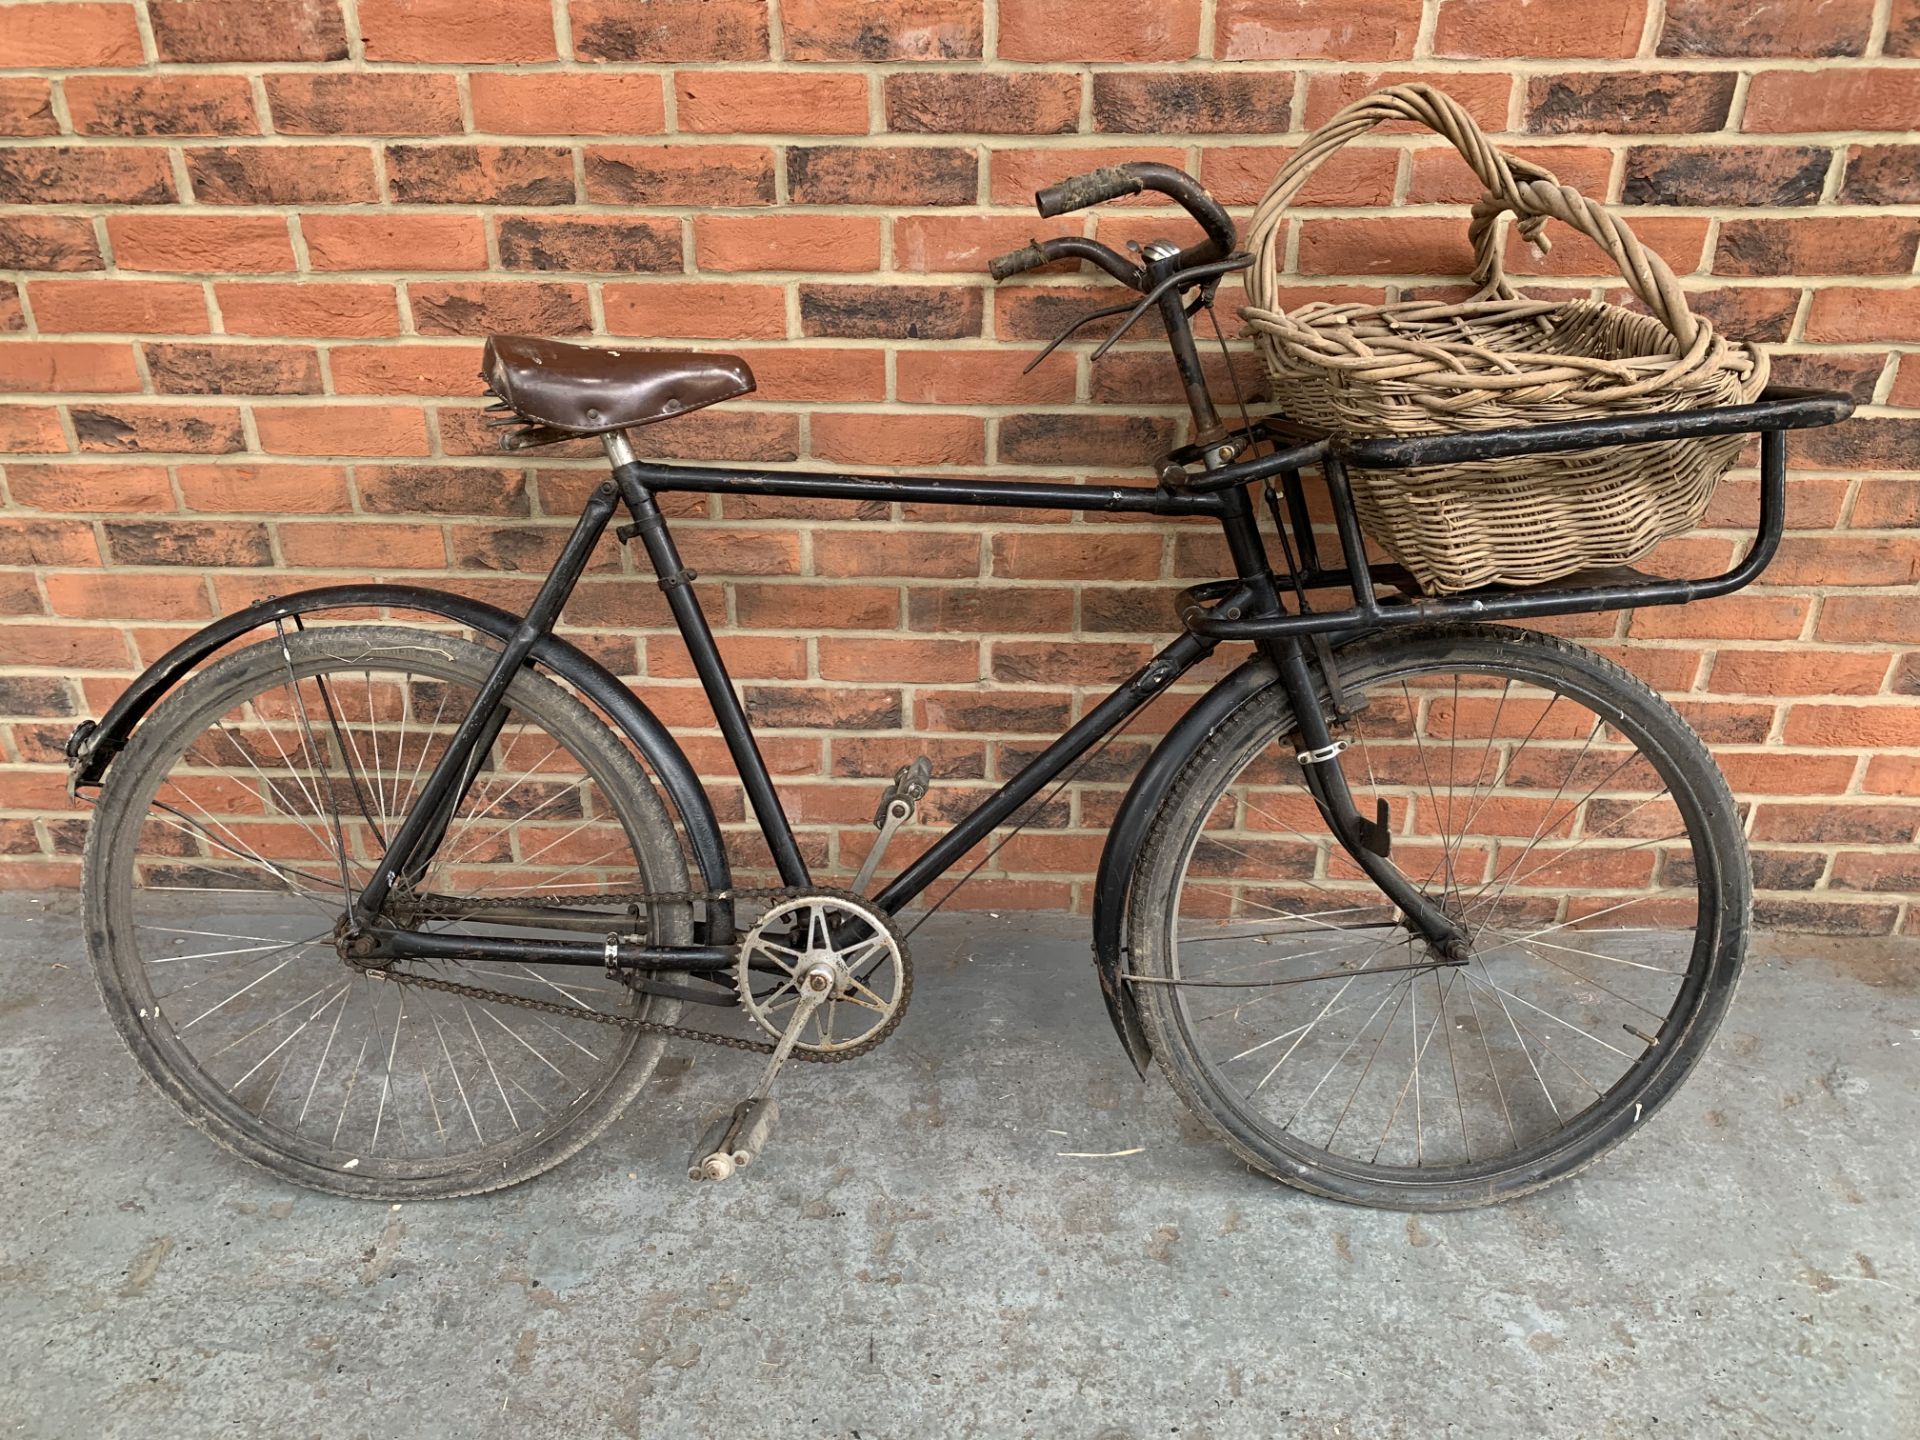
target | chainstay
[{"x": 643, "y": 898}]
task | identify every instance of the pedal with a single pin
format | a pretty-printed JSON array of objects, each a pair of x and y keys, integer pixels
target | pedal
[
  {"x": 897, "y": 805},
  {"x": 736, "y": 1140}
]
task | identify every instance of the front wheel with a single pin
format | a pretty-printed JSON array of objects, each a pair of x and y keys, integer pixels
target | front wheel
[{"x": 1556, "y": 807}]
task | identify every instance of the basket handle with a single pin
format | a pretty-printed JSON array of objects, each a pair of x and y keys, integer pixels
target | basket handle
[{"x": 1530, "y": 192}]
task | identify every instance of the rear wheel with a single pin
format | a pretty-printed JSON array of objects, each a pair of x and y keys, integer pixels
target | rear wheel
[
  {"x": 1559, "y": 809},
  {"x": 228, "y": 839}
]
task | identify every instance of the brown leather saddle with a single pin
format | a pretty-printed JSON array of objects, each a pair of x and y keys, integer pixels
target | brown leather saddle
[{"x": 551, "y": 391}]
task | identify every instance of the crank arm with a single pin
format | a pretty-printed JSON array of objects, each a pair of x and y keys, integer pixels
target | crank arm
[
  {"x": 898, "y": 812},
  {"x": 737, "y": 1139},
  {"x": 897, "y": 806}
]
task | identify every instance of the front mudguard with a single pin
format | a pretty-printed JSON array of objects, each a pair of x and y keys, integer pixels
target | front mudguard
[
  {"x": 1134, "y": 823},
  {"x": 92, "y": 746}
]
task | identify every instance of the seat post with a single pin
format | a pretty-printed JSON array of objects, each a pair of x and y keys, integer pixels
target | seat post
[{"x": 619, "y": 451}]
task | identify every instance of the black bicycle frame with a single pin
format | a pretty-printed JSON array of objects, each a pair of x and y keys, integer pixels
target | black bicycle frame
[
  {"x": 1247, "y": 607},
  {"x": 637, "y": 484}
]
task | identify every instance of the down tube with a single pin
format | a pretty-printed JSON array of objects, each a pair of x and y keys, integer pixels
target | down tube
[{"x": 1149, "y": 680}]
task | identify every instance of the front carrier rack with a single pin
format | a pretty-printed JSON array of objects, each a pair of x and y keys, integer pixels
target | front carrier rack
[{"x": 1218, "y": 609}]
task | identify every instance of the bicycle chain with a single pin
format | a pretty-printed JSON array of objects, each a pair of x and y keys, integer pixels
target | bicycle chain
[{"x": 641, "y": 898}]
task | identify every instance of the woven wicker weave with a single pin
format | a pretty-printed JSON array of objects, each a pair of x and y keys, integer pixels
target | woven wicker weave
[{"x": 1497, "y": 360}]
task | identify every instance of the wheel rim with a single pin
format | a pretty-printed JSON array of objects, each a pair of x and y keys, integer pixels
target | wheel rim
[
  {"x": 1563, "y": 839},
  {"x": 226, "y": 887}
]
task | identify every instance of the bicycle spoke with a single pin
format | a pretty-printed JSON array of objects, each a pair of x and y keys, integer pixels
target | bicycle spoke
[
  {"x": 1426, "y": 771},
  {"x": 1417, "y": 1049},
  {"x": 312, "y": 750},
  {"x": 1506, "y": 994},
  {"x": 1367, "y": 1069},
  {"x": 1501, "y": 999},
  {"x": 466, "y": 1102},
  {"x": 279, "y": 798},
  {"x": 1453, "y": 1069},
  {"x": 275, "y": 1019},
  {"x": 386, "y": 1083},
  {"x": 487, "y": 1056},
  {"x": 1551, "y": 1053},
  {"x": 1324, "y": 1011},
  {"x": 1265, "y": 935},
  {"x": 1579, "y": 975},
  {"x": 239, "y": 849},
  {"x": 1271, "y": 909},
  {"x": 1533, "y": 939}
]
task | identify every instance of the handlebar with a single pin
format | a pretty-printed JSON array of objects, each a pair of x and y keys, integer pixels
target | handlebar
[
  {"x": 1113, "y": 183},
  {"x": 1069, "y": 247},
  {"x": 1016, "y": 262},
  {"x": 1080, "y": 191},
  {"x": 1130, "y": 179}
]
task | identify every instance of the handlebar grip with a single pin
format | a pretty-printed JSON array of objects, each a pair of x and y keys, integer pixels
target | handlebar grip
[
  {"x": 1089, "y": 189},
  {"x": 1015, "y": 262}
]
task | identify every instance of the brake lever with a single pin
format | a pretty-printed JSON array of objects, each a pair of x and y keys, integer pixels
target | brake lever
[
  {"x": 1180, "y": 279},
  {"x": 1060, "y": 339}
]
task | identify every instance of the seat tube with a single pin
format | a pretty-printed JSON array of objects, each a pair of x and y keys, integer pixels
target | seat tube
[{"x": 676, "y": 582}]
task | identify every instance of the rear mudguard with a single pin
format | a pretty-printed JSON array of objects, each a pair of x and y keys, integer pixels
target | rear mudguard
[
  {"x": 1131, "y": 827},
  {"x": 93, "y": 746}
]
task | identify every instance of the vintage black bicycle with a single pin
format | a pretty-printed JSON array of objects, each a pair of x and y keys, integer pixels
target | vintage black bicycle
[{"x": 1411, "y": 908}]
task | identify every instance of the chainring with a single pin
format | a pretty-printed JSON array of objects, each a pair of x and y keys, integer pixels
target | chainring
[{"x": 874, "y": 974}]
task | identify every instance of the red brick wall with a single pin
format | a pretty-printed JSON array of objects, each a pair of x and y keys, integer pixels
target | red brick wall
[{"x": 247, "y": 248}]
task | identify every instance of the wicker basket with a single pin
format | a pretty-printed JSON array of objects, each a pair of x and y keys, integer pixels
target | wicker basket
[{"x": 1497, "y": 360}]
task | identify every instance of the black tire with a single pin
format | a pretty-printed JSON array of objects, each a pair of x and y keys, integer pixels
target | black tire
[
  {"x": 119, "y": 882},
  {"x": 1714, "y": 865}
]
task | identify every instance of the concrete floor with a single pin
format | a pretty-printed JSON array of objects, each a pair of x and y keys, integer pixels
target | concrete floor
[{"x": 913, "y": 1257}]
